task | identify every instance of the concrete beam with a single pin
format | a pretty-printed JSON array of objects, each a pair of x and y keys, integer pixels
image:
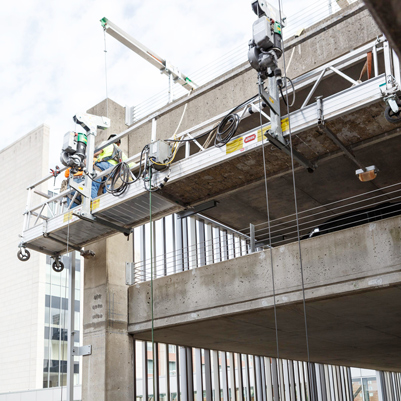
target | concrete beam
[{"x": 352, "y": 289}]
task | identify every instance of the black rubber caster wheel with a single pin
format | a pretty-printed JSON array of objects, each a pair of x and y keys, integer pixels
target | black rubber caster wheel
[
  {"x": 23, "y": 256},
  {"x": 391, "y": 117},
  {"x": 58, "y": 266}
]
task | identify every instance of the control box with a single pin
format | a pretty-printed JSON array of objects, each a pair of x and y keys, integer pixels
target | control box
[
  {"x": 70, "y": 142},
  {"x": 159, "y": 152}
]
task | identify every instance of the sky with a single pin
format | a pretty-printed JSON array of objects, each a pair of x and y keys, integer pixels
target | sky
[{"x": 53, "y": 60}]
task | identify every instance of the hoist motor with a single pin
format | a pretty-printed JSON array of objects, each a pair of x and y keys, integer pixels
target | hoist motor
[
  {"x": 74, "y": 150},
  {"x": 265, "y": 47}
]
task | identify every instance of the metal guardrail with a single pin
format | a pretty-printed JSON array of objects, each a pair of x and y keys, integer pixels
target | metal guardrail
[
  {"x": 198, "y": 241},
  {"x": 342, "y": 214},
  {"x": 220, "y": 244}
]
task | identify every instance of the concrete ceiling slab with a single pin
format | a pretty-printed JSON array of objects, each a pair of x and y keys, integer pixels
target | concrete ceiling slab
[{"x": 362, "y": 329}]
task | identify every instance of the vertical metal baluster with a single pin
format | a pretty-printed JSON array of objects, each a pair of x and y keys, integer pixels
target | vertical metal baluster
[
  {"x": 216, "y": 374},
  {"x": 232, "y": 376},
  {"x": 268, "y": 374},
  {"x": 263, "y": 375},
  {"x": 156, "y": 396},
  {"x": 298, "y": 396},
  {"x": 397, "y": 71},
  {"x": 248, "y": 378},
  {"x": 143, "y": 253},
  {"x": 183, "y": 374},
  {"x": 178, "y": 372},
  {"x": 179, "y": 266},
  {"x": 167, "y": 367},
  {"x": 198, "y": 374},
  {"x": 252, "y": 235},
  {"x": 282, "y": 387},
  {"x": 192, "y": 243},
  {"x": 240, "y": 377},
  {"x": 145, "y": 370},
  {"x": 208, "y": 243},
  {"x": 258, "y": 379},
  {"x": 134, "y": 356},
  {"x": 190, "y": 373},
  {"x": 275, "y": 379},
  {"x": 291, "y": 379},
  {"x": 164, "y": 245},
  {"x": 201, "y": 243},
  {"x": 224, "y": 381},
  {"x": 332, "y": 382},
  {"x": 208, "y": 375},
  {"x": 327, "y": 381},
  {"x": 286, "y": 380}
]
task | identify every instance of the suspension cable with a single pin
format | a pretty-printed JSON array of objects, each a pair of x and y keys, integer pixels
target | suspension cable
[
  {"x": 65, "y": 296},
  {"x": 296, "y": 217},
  {"x": 105, "y": 72},
  {"x": 270, "y": 246},
  {"x": 151, "y": 284}
]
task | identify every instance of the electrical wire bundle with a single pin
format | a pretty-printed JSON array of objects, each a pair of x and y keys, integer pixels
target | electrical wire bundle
[
  {"x": 222, "y": 132},
  {"x": 121, "y": 176},
  {"x": 280, "y": 86}
]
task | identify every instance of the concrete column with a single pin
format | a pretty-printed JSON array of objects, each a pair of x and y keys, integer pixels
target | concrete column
[{"x": 108, "y": 372}]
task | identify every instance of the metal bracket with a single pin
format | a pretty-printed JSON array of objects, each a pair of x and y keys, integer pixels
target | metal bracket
[
  {"x": 129, "y": 273},
  {"x": 302, "y": 160},
  {"x": 327, "y": 131},
  {"x": 80, "y": 188},
  {"x": 85, "y": 350},
  {"x": 392, "y": 102},
  {"x": 93, "y": 219},
  {"x": 197, "y": 209},
  {"x": 72, "y": 246},
  {"x": 272, "y": 103}
]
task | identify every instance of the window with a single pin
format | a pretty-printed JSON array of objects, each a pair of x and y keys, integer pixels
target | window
[
  {"x": 172, "y": 368},
  {"x": 150, "y": 367}
]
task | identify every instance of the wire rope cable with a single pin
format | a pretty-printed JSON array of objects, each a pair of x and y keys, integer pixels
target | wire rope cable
[
  {"x": 151, "y": 286},
  {"x": 65, "y": 296},
  {"x": 105, "y": 72},
  {"x": 270, "y": 245},
  {"x": 296, "y": 217},
  {"x": 333, "y": 203}
]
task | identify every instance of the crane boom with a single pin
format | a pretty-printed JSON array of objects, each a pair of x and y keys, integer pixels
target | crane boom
[{"x": 164, "y": 66}]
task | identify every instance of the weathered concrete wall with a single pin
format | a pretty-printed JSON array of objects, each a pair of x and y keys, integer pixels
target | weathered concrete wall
[
  {"x": 327, "y": 40},
  {"x": 226, "y": 305},
  {"x": 116, "y": 113},
  {"x": 108, "y": 372}
]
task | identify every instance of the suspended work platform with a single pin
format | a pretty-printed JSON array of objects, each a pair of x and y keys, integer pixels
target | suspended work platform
[{"x": 354, "y": 116}]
